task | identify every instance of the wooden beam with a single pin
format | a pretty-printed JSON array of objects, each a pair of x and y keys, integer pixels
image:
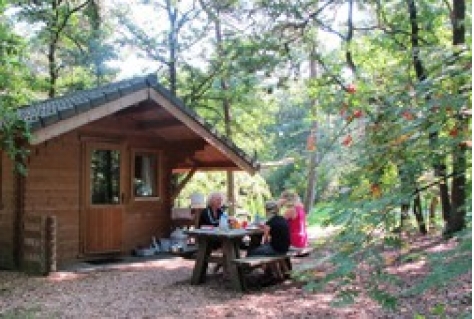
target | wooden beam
[
  {"x": 186, "y": 147},
  {"x": 143, "y": 111},
  {"x": 183, "y": 183},
  {"x": 199, "y": 129},
  {"x": 158, "y": 124},
  {"x": 208, "y": 167}
]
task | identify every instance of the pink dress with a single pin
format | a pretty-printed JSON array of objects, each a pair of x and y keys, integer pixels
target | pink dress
[{"x": 298, "y": 235}]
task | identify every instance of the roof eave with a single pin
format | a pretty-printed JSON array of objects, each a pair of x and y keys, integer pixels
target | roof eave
[{"x": 210, "y": 135}]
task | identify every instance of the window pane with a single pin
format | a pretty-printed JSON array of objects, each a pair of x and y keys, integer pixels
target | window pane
[
  {"x": 144, "y": 183},
  {"x": 105, "y": 177}
]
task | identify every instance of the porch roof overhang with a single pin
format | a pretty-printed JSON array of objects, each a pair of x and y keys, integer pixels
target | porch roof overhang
[{"x": 154, "y": 110}]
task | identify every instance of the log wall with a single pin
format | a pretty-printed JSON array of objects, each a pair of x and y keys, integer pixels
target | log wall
[
  {"x": 53, "y": 188},
  {"x": 8, "y": 208}
]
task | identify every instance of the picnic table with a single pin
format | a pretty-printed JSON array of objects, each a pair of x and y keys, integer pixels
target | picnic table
[{"x": 231, "y": 240}]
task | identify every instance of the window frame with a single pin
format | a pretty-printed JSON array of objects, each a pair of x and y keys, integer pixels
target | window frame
[
  {"x": 157, "y": 154},
  {"x": 107, "y": 148}
]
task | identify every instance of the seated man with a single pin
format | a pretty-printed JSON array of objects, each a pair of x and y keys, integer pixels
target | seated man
[{"x": 276, "y": 235}]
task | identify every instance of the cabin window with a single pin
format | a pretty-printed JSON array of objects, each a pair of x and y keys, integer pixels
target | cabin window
[
  {"x": 145, "y": 168},
  {"x": 105, "y": 177}
]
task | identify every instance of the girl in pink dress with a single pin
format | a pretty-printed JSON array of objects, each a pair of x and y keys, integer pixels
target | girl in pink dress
[{"x": 296, "y": 216}]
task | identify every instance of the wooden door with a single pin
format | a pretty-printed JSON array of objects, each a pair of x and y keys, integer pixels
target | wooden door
[{"x": 103, "y": 198}]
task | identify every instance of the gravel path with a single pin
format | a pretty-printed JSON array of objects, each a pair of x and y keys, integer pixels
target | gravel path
[
  {"x": 161, "y": 289},
  {"x": 154, "y": 289}
]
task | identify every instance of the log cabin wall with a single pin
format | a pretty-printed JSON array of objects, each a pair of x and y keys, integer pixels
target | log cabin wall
[
  {"x": 8, "y": 212},
  {"x": 143, "y": 218},
  {"x": 52, "y": 188}
]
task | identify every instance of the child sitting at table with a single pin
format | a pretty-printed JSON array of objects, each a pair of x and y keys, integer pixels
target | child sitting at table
[{"x": 276, "y": 233}]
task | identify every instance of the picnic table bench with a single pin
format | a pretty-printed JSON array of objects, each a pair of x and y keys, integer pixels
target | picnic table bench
[{"x": 280, "y": 265}]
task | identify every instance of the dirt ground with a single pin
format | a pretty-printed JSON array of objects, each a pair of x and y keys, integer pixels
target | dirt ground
[{"x": 161, "y": 289}]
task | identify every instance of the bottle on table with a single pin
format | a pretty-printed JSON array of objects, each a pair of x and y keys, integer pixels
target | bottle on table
[{"x": 224, "y": 222}]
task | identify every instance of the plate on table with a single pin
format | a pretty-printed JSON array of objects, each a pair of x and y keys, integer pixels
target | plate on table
[
  {"x": 208, "y": 227},
  {"x": 252, "y": 227},
  {"x": 237, "y": 231}
]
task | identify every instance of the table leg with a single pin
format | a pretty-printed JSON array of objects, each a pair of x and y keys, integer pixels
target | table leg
[
  {"x": 200, "y": 266},
  {"x": 231, "y": 251}
]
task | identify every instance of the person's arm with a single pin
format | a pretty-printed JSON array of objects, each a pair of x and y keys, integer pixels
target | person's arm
[{"x": 266, "y": 234}]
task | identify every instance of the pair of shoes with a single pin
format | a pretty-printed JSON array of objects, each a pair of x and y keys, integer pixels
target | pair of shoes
[{"x": 216, "y": 268}]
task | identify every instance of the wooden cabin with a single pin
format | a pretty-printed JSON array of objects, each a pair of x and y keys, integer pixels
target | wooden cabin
[{"x": 100, "y": 172}]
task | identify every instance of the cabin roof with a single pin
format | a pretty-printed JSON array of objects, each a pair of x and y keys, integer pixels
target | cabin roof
[{"x": 52, "y": 117}]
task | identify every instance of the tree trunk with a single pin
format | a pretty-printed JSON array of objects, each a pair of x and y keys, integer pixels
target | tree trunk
[
  {"x": 456, "y": 221},
  {"x": 52, "y": 69},
  {"x": 172, "y": 43},
  {"x": 226, "y": 105},
  {"x": 404, "y": 215},
  {"x": 312, "y": 182},
  {"x": 433, "y": 204},
  {"x": 409, "y": 188},
  {"x": 438, "y": 166},
  {"x": 313, "y": 154},
  {"x": 418, "y": 212}
]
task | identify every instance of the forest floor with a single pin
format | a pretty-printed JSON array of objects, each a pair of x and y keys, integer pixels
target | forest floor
[{"x": 161, "y": 289}]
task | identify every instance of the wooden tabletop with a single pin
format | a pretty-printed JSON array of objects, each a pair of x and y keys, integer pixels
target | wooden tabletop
[{"x": 216, "y": 232}]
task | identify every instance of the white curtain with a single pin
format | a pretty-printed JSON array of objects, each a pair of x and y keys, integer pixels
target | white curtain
[
  {"x": 147, "y": 178},
  {"x": 148, "y": 175}
]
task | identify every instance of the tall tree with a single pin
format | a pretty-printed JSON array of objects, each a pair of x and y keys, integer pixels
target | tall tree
[
  {"x": 53, "y": 18},
  {"x": 310, "y": 194},
  {"x": 215, "y": 15},
  {"x": 13, "y": 88},
  {"x": 164, "y": 44},
  {"x": 457, "y": 217},
  {"x": 94, "y": 47}
]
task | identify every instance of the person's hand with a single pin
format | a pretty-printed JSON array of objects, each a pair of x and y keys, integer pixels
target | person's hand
[{"x": 266, "y": 232}]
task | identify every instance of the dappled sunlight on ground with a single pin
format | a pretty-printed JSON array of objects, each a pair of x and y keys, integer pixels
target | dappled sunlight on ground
[
  {"x": 160, "y": 288},
  {"x": 64, "y": 276},
  {"x": 413, "y": 268}
]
